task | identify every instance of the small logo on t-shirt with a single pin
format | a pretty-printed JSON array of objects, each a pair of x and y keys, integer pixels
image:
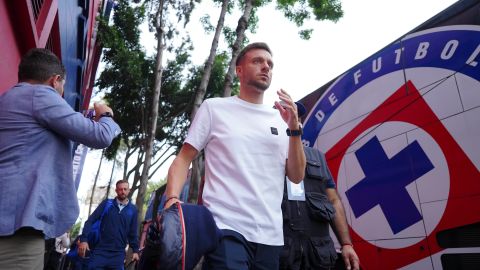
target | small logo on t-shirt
[{"x": 274, "y": 130}]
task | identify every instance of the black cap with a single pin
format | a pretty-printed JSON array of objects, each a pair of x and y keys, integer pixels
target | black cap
[{"x": 300, "y": 109}]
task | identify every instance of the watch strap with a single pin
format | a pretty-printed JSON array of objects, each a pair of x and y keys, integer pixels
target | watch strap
[
  {"x": 106, "y": 114},
  {"x": 294, "y": 133}
]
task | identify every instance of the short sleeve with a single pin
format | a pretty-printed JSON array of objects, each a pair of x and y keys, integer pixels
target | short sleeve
[{"x": 200, "y": 129}]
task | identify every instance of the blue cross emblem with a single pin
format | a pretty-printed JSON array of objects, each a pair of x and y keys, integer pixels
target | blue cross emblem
[{"x": 385, "y": 181}]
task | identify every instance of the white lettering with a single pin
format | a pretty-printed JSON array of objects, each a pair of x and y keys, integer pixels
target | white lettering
[
  {"x": 77, "y": 158},
  {"x": 398, "y": 56},
  {"x": 471, "y": 60},
  {"x": 377, "y": 65},
  {"x": 422, "y": 50},
  {"x": 306, "y": 143},
  {"x": 449, "y": 49},
  {"x": 333, "y": 99},
  {"x": 357, "y": 75},
  {"x": 448, "y": 52},
  {"x": 320, "y": 116},
  {"x": 79, "y": 149}
]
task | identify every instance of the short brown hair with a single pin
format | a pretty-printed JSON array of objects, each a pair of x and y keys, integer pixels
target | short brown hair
[
  {"x": 251, "y": 46},
  {"x": 122, "y": 182},
  {"x": 39, "y": 65}
]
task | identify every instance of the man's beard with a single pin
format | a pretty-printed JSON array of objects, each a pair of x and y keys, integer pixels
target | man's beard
[{"x": 260, "y": 85}]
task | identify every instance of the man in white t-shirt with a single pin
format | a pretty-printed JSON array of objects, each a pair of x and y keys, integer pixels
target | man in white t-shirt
[{"x": 249, "y": 148}]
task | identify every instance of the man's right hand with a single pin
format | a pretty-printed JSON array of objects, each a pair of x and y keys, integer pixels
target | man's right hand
[
  {"x": 101, "y": 108},
  {"x": 82, "y": 249}
]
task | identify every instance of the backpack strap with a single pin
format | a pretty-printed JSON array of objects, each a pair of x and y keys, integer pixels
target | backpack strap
[
  {"x": 108, "y": 204},
  {"x": 156, "y": 204}
]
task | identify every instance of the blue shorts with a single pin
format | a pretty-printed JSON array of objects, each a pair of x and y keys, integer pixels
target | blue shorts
[{"x": 236, "y": 253}]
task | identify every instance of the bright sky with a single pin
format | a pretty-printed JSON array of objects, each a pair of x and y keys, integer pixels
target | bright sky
[{"x": 303, "y": 66}]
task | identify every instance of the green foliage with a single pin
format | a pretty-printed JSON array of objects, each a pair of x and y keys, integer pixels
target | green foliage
[
  {"x": 305, "y": 34},
  {"x": 252, "y": 24},
  {"x": 229, "y": 35},
  {"x": 150, "y": 191},
  {"x": 173, "y": 12},
  {"x": 207, "y": 25},
  {"x": 298, "y": 11},
  {"x": 215, "y": 84},
  {"x": 151, "y": 187},
  {"x": 111, "y": 152},
  {"x": 128, "y": 79},
  {"x": 175, "y": 99},
  {"x": 75, "y": 230},
  {"x": 182, "y": 101}
]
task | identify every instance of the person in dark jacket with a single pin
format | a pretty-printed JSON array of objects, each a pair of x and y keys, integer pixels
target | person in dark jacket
[
  {"x": 309, "y": 208},
  {"x": 118, "y": 228}
]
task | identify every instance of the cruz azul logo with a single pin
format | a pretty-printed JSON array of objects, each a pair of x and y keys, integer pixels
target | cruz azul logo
[{"x": 401, "y": 136}]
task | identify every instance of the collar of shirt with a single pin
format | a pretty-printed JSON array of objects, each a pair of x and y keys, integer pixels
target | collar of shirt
[{"x": 121, "y": 205}]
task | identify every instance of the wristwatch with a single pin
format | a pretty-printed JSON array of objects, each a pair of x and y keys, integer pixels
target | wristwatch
[
  {"x": 293, "y": 133},
  {"x": 106, "y": 114}
]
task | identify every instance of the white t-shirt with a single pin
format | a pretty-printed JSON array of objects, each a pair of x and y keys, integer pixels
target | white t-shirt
[{"x": 246, "y": 149}]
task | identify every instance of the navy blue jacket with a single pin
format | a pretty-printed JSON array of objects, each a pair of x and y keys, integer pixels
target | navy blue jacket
[
  {"x": 184, "y": 233},
  {"x": 118, "y": 228}
]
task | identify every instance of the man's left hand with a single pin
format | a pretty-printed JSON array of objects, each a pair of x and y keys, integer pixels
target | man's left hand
[
  {"x": 287, "y": 109},
  {"x": 350, "y": 258}
]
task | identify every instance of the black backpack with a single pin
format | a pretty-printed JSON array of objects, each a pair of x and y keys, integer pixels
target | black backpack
[{"x": 150, "y": 258}]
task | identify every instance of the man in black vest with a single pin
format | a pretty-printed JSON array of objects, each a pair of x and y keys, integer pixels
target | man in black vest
[{"x": 308, "y": 210}]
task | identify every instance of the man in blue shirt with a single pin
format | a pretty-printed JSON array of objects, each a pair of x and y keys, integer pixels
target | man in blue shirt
[
  {"x": 37, "y": 194},
  {"x": 119, "y": 227}
]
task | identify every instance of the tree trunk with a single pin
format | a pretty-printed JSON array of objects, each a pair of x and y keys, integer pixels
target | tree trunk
[
  {"x": 150, "y": 138},
  {"x": 110, "y": 181},
  {"x": 199, "y": 96},
  {"x": 202, "y": 89},
  {"x": 95, "y": 184},
  {"x": 194, "y": 191},
  {"x": 241, "y": 27}
]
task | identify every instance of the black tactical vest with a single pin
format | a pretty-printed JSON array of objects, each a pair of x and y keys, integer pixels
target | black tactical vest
[{"x": 306, "y": 223}]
